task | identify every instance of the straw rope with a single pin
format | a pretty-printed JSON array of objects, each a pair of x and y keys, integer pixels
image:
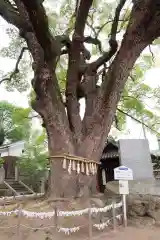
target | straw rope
[{"x": 72, "y": 157}]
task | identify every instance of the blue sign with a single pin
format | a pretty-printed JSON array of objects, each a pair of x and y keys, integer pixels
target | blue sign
[
  {"x": 123, "y": 168},
  {"x": 123, "y": 173}
]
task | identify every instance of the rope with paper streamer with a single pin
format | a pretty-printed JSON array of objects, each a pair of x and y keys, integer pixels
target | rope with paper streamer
[{"x": 78, "y": 164}]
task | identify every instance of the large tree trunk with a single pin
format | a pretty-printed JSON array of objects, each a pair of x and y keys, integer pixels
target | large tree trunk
[
  {"x": 61, "y": 183},
  {"x": 60, "y": 141}
]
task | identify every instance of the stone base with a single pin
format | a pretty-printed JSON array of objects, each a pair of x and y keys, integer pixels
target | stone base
[{"x": 144, "y": 206}]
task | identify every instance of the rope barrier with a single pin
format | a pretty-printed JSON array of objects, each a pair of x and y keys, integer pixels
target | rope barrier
[
  {"x": 78, "y": 164},
  {"x": 99, "y": 226},
  {"x": 72, "y": 157},
  {"x": 5, "y": 227},
  {"x": 42, "y": 215},
  {"x": 36, "y": 228}
]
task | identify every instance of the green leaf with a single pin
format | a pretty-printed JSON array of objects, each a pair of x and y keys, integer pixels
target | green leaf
[
  {"x": 14, "y": 121},
  {"x": 156, "y": 42},
  {"x": 133, "y": 103},
  {"x": 33, "y": 162},
  {"x": 121, "y": 120}
]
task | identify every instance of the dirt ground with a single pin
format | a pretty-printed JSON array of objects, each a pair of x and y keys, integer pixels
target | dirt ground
[
  {"x": 37, "y": 229},
  {"x": 132, "y": 233}
]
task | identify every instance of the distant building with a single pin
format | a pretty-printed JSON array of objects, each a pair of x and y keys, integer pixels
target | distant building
[
  {"x": 10, "y": 153},
  {"x": 111, "y": 159}
]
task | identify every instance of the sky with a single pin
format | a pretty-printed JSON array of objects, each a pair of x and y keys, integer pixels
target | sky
[{"x": 133, "y": 129}]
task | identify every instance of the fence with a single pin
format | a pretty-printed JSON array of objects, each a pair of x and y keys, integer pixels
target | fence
[{"x": 56, "y": 214}]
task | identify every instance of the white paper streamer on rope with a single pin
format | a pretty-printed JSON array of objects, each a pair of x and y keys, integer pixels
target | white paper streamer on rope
[
  {"x": 102, "y": 226},
  {"x": 64, "y": 163},
  {"x": 73, "y": 213},
  {"x": 43, "y": 215},
  {"x": 84, "y": 211},
  {"x": 93, "y": 168},
  {"x": 69, "y": 230},
  {"x": 118, "y": 205},
  {"x": 104, "y": 209},
  {"x": 119, "y": 217},
  {"x": 78, "y": 168},
  {"x": 70, "y": 167},
  {"x": 9, "y": 213},
  {"x": 78, "y": 164}
]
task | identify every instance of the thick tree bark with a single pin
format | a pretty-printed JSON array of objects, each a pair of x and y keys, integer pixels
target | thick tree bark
[{"x": 63, "y": 184}]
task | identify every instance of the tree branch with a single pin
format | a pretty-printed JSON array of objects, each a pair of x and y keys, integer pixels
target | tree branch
[
  {"x": 92, "y": 68},
  {"x": 152, "y": 54},
  {"x": 94, "y": 41},
  {"x": 8, "y": 12},
  {"x": 137, "y": 120},
  {"x": 133, "y": 79},
  {"x": 112, "y": 42},
  {"x": 102, "y": 70},
  {"x": 82, "y": 15},
  {"x": 64, "y": 40},
  {"x": 103, "y": 25},
  {"x": 38, "y": 18},
  {"x": 142, "y": 29},
  {"x": 16, "y": 70},
  {"x": 77, "y": 42},
  {"x": 34, "y": 29},
  {"x": 73, "y": 75},
  {"x": 92, "y": 28}
]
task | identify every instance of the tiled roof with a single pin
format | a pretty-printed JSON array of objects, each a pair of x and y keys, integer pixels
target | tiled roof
[{"x": 110, "y": 155}]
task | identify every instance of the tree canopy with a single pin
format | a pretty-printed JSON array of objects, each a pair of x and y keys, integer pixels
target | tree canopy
[
  {"x": 14, "y": 122},
  {"x": 132, "y": 102},
  {"x": 33, "y": 163}
]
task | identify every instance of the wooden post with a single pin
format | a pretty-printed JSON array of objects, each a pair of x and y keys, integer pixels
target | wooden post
[
  {"x": 55, "y": 216},
  {"x": 124, "y": 210},
  {"x": 90, "y": 221},
  {"x": 114, "y": 214},
  {"x": 19, "y": 223}
]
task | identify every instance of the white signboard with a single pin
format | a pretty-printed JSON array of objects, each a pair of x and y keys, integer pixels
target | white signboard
[
  {"x": 123, "y": 173},
  {"x": 123, "y": 187},
  {"x": 135, "y": 154}
]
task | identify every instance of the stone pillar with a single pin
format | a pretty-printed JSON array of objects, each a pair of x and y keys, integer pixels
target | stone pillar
[
  {"x": 158, "y": 143},
  {"x": 42, "y": 185},
  {"x": 16, "y": 173},
  {"x": 2, "y": 175}
]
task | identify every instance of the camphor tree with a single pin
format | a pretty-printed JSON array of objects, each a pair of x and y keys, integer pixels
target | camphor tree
[{"x": 66, "y": 132}]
